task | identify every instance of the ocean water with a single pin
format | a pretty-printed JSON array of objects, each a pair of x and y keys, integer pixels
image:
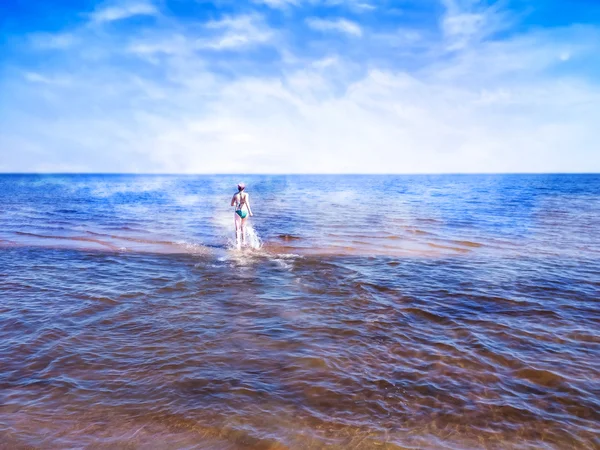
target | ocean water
[{"x": 367, "y": 312}]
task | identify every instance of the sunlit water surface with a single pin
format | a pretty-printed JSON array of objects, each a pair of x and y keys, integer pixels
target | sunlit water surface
[{"x": 368, "y": 312}]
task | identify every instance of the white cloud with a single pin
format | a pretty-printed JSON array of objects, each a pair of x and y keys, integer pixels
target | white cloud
[
  {"x": 49, "y": 41},
  {"x": 386, "y": 121},
  {"x": 340, "y": 25},
  {"x": 34, "y": 77},
  {"x": 365, "y": 6},
  {"x": 238, "y": 31},
  {"x": 465, "y": 22},
  {"x": 278, "y": 4},
  {"x": 170, "y": 45},
  {"x": 326, "y": 62},
  {"x": 460, "y": 28},
  {"x": 124, "y": 11},
  {"x": 356, "y": 5}
]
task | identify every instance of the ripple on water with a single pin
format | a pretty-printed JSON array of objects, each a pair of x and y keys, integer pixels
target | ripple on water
[{"x": 445, "y": 324}]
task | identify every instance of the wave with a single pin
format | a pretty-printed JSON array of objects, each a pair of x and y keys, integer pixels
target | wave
[{"x": 113, "y": 243}]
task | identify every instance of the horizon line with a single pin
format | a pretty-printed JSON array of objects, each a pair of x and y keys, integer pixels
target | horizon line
[{"x": 293, "y": 173}]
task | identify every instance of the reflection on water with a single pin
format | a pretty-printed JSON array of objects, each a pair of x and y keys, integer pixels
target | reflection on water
[{"x": 381, "y": 312}]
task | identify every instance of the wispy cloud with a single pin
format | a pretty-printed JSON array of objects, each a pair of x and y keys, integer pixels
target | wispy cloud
[
  {"x": 339, "y": 25},
  {"x": 236, "y": 32},
  {"x": 50, "y": 41},
  {"x": 175, "y": 44},
  {"x": 355, "y": 5},
  {"x": 34, "y": 77},
  {"x": 122, "y": 11},
  {"x": 465, "y": 22},
  {"x": 364, "y": 6},
  {"x": 278, "y": 4}
]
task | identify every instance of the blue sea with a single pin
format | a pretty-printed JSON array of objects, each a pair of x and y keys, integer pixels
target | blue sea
[{"x": 365, "y": 312}]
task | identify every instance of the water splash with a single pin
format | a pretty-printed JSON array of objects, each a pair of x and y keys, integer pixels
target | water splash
[{"x": 253, "y": 240}]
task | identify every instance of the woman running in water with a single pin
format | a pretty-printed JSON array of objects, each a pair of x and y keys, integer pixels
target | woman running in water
[{"x": 241, "y": 202}]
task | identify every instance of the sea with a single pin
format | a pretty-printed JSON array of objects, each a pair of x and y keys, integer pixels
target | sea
[{"x": 364, "y": 312}]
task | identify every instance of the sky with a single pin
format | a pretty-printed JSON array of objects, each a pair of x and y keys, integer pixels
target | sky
[{"x": 300, "y": 86}]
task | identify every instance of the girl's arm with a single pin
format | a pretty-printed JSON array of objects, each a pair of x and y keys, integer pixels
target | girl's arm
[
  {"x": 248, "y": 203},
  {"x": 233, "y": 201}
]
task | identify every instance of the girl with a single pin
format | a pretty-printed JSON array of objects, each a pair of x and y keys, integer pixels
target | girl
[{"x": 241, "y": 202}]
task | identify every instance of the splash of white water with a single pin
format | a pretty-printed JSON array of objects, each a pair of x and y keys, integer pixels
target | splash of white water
[
  {"x": 252, "y": 241},
  {"x": 252, "y": 238}
]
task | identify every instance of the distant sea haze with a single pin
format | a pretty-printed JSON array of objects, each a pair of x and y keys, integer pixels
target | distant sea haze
[{"x": 440, "y": 311}]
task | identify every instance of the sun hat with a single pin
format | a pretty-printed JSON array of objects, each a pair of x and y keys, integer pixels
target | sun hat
[{"x": 241, "y": 186}]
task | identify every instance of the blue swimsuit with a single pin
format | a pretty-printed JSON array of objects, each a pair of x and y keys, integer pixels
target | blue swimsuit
[{"x": 239, "y": 211}]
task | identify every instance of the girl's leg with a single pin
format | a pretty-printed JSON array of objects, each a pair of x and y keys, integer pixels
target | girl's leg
[
  {"x": 243, "y": 230},
  {"x": 238, "y": 230}
]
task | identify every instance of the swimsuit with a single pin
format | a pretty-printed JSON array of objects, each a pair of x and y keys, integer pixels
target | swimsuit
[{"x": 239, "y": 211}]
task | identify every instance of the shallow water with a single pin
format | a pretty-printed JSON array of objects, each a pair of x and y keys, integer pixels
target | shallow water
[{"x": 380, "y": 312}]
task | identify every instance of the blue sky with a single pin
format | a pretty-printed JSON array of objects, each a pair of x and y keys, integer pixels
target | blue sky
[{"x": 300, "y": 86}]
